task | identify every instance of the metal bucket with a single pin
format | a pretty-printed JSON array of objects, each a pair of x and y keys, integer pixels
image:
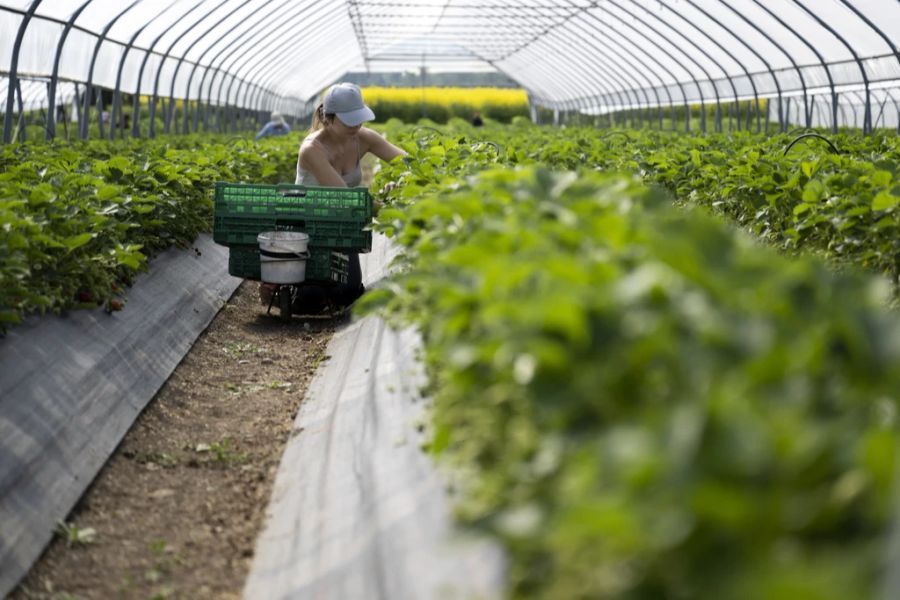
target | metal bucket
[{"x": 282, "y": 256}]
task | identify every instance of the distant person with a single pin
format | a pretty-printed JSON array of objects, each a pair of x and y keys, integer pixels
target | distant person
[
  {"x": 476, "y": 120},
  {"x": 277, "y": 126}
]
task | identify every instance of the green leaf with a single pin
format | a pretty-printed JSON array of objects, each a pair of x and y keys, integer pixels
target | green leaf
[
  {"x": 884, "y": 200},
  {"x": 76, "y": 241}
]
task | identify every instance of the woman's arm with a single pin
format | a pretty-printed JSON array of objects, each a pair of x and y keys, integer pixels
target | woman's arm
[
  {"x": 379, "y": 146},
  {"x": 314, "y": 160}
]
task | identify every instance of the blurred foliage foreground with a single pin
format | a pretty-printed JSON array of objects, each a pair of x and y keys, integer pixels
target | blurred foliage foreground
[{"x": 637, "y": 399}]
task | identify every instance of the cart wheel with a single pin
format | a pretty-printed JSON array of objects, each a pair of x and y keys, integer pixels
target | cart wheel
[{"x": 285, "y": 301}]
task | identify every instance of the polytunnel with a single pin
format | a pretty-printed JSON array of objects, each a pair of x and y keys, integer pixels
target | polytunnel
[
  {"x": 654, "y": 333},
  {"x": 824, "y": 64}
]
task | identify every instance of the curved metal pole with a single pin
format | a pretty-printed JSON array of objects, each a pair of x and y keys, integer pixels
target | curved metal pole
[
  {"x": 671, "y": 57},
  {"x": 562, "y": 78},
  {"x": 704, "y": 53},
  {"x": 54, "y": 75},
  {"x": 596, "y": 67},
  {"x": 202, "y": 56},
  {"x": 553, "y": 27},
  {"x": 603, "y": 54},
  {"x": 226, "y": 69},
  {"x": 89, "y": 84},
  {"x": 253, "y": 31},
  {"x": 162, "y": 63},
  {"x": 186, "y": 52},
  {"x": 117, "y": 92},
  {"x": 867, "y": 114},
  {"x": 787, "y": 55},
  {"x": 637, "y": 69},
  {"x": 261, "y": 59},
  {"x": 14, "y": 72},
  {"x": 709, "y": 78},
  {"x": 136, "y": 110},
  {"x": 623, "y": 56},
  {"x": 814, "y": 50},
  {"x": 620, "y": 79},
  {"x": 740, "y": 64},
  {"x": 875, "y": 28}
]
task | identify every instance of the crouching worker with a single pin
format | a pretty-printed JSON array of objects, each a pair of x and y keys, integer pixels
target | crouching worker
[
  {"x": 276, "y": 126},
  {"x": 330, "y": 156}
]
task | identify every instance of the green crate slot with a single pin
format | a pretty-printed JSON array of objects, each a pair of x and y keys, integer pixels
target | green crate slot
[
  {"x": 333, "y": 217},
  {"x": 311, "y": 202},
  {"x": 341, "y": 235},
  {"x": 322, "y": 265}
]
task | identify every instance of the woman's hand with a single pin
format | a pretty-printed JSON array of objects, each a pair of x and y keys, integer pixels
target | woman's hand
[{"x": 388, "y": 187}]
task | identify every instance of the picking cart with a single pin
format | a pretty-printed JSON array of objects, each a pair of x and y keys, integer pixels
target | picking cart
[{"x": 335, "y": 219}]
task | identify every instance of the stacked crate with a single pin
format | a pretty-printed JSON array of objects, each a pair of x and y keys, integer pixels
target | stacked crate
[{"x": 334, "y": 218}]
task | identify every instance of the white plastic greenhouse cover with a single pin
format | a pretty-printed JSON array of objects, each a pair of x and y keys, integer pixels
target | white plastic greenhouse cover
[{"x": 593, "y": 56}]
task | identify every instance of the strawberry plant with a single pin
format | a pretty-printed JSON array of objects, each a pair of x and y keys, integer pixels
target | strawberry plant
[
  {"x": 641, "y": 401},
  {"x": 77, "y": 221}
]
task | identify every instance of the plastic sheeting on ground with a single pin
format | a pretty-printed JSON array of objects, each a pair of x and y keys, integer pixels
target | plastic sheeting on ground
[
  {"x": 358, "y": 509},
  {"x": 71, "y": 387}
]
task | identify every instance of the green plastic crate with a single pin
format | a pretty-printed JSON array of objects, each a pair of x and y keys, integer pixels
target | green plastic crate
[
  {"x": 322, "y": 265},
  {"x": 342, "y": 235},
  {"x": 310, "y": 202},
  {"x": 333, "y": 217}
]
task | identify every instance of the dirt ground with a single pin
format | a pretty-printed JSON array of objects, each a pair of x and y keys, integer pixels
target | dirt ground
[{"x": 176, "y": 510}]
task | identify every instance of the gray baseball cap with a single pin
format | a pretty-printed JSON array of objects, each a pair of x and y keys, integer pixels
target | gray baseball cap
[{"x": 345, "y": 101}]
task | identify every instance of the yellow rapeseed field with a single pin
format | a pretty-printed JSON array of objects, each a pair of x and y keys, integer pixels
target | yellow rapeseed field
[{"x": 442, "y": 103}]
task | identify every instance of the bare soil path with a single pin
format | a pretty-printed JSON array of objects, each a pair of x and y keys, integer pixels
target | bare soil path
[{"x": 176, "y": 510}]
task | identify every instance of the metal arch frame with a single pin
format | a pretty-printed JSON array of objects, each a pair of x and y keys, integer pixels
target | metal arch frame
[
  {"x": 580, "y": 98},
  {"x": 14, "y": 71},
  {"x": 117, "y": 92},
  {"x": 226, "y": 70},
  {"x": 261, "y": 58},
  {"x": 636, "y": 68},
  {"x": 260, "y": 63},
  {"x": 787, "y": 55},
  {"x": 251, "y": 30},
  {"x": 284, "y": 66},
  {"x": 665, "y": 68},
  {"x": 51, "y": 93},
  {"x": 247, "y": 36},
  {"x": 171, "y": 108},
  {"x": 682, "y": 51},
  {"x": 573, "y": 26},
  {"x": 136, "y": 104},
  {"x": 867, "y": 115},
  {"x": 553, "y": 76},
  {"x": 874, "y": 27},
  {"x": 623, "y": 78},
  {"x": 277, "y": 69},
  {"x": 744, "y": 68},
  {"x": 553, "y": 46},
  {"x": 881, "y": 34},
  {"x": 152, "y": 125},
  {"x": 815, "y": 51},
  {"x": 84, "y": 124},
  {"x": 540, "y": 34},
  {"x": 475, "y": 46},
  {"x": 704, "y": 53},
  {"x": 574, "y": 95}
]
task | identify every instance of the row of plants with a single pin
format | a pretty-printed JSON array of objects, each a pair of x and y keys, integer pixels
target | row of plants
[
  {"x": 79, "y": 220},
  {"x": 840, "y": 205},
  {"x": 638, "y": 399}
]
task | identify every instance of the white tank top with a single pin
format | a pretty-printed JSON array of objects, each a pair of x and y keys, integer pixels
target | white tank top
[{"x": 352, "y": 179}]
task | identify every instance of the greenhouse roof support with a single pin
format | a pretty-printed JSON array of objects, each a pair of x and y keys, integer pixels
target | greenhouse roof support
[{"x": 622, "y": 57}]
